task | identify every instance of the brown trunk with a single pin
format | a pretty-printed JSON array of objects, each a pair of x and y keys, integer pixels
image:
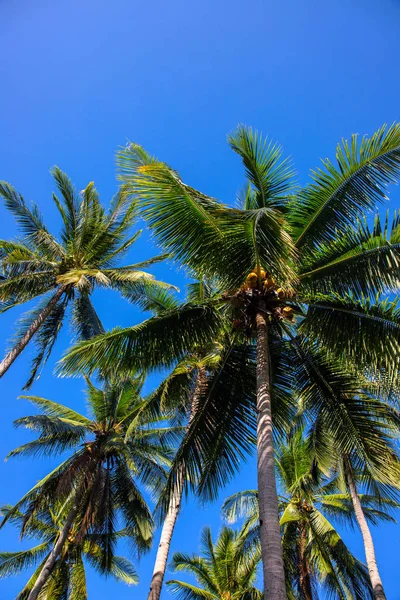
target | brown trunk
[
  {"x": 160, "y": 564},
  {"x": 54, "y": 554},
  {"x": 376, "y": 581},
  {"x": 271, "y": 548},
  {"x": 304, "y": 573},
  {"x": 24, "y": 341}
]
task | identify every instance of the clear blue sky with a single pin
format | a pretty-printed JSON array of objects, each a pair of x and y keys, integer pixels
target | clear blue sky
[{"x": 79, "y": 78}]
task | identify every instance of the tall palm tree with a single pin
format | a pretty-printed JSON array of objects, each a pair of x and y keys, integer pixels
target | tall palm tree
[
  {"x": 65, "y": 271},
  {"x": 67, "y": 578},
  {"x": 122, "y": 443},
  {"x": 351, "y": 478},
  {"x": 285, "y": 252},
  {"x": 223, "y": 570},
  {"x": 314, "y": 553}
]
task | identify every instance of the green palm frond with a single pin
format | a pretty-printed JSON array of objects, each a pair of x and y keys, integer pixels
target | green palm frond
[
  {"x": 23, "y": 595},
  {"x": 221, "y": 433},
  {"x": 12, "y": 563},
  {"x": 134, "y": 509},
  {"x": 361, "y": 331},
  {"x": 181, "y": 217},
  {"x": 341, "y": 194},
  {"x": 363, "y": 260},
  {"x": 85, "y": 320},
  {"x": 345, "y": 574},
  {"x": 77, "y": 580},
  {"x": 269, "y": 174},
  {"x": 54, "y": 409},
  {"x": 123, "y": 570},
  {"x": 239, "y": 505},
  {"x": 339, "y": 507},
  {"x": 45, "y": 339},
  {"x": 24, "y": 287},
  {"x": 29, "y": 220},
  {"x": 70, "y": 209},
  {"x": 187, "y": 591},
  {"x": 149, "y": 295},
  {"x": 143, "y": 346}
]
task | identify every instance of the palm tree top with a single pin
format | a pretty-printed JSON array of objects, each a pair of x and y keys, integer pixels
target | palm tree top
[
  {"x": 328, "y": 266},
  {"x": 224, "y": 569},
  {"x": 88, "y": 253},
  {"x": 68, "y": 575},
  {"x": 122, "y": 443}
]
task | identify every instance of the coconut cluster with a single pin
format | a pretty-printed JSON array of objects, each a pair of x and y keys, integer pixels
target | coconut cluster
[{"x": 261, "y": 283}]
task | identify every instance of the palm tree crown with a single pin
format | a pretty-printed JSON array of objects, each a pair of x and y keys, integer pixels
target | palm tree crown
[
  {"x": 119, "y": 447},
  {"x": 315, "y": 555},
  {"x": 223, "y": 570},
  {"x": 67, "y": 579},
  {"x": 65, "y": 271}
]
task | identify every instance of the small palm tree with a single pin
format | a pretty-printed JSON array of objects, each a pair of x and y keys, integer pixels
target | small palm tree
[
  {"x": 314, "y": 553},
  {"x": 223, "y": 570},
  {"x": 67, "y": 578},
  {"x": 66, "y": 271},
  {"x": 283, "y": 252},
  {"x": 120, "y": 445},
  {"x": 210, "y": 388}
]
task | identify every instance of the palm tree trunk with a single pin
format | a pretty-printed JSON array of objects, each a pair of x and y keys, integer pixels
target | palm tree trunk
[
  {"x": 24, "y": 341},
  {"x": 376, "y": 581},
  {"x": 304, "y": 572},
  {"x": 271, "y": 548},
  {"x": 167, "y": 531},
  {"x": 54, "y": 554}
]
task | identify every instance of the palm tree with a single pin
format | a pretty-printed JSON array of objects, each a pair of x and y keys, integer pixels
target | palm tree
[
  {"x": 286, "y": 252},
  {"x": 202, "y": 389},
  {"x": 122, "y": 443},
  {"x": 223, "y": 570},
  {"x": 67, "y": 578},
  {"x": 314, "y": 553},
  {"x": 371, "y": 460},
  {"x": 65, "y": 271},
  {"x": 196, "y": 377},
  {"x": 349, "y": 476}
]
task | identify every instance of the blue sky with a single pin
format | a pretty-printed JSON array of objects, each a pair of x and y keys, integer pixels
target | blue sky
[{"x": 79, "y": 78}]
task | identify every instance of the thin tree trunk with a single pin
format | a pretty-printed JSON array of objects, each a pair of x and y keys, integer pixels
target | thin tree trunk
[
  {"x": 376, "y": 581},
  {"x": 167, "y": 531},
  {"x": 271, "y": 548},
  {"x": 54, "y": 554},
  {"x": 304, "y": 573},
  {"x": 24, "y": 341}
]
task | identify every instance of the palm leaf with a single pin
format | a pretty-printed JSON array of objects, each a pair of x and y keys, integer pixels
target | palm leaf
[
  {"x": 157, "y": 342},
  {"x": 339, "y": 195}
]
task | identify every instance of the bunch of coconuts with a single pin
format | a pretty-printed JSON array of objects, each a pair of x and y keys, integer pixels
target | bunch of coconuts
[{"x": 264, "y": 283}]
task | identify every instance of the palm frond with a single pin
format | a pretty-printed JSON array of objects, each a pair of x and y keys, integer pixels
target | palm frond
[
  {"x": 157, "y": 342},
  {"x": 85, "y": 319},
  {"x": 361, "y": 261},
  {"x": 269, "y": 174},
  {"x": 361, "y": 331},
  {"x": 341, "y": 194},
  {"x": 12, "y": 563}
]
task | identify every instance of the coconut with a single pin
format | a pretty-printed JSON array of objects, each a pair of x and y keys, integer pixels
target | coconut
[
  {"x": 269, "y": 283},
  {"x": 281, "y": 293},
  {"x": 288, "y": 313},
  {"x": 251, "y": 275}
]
